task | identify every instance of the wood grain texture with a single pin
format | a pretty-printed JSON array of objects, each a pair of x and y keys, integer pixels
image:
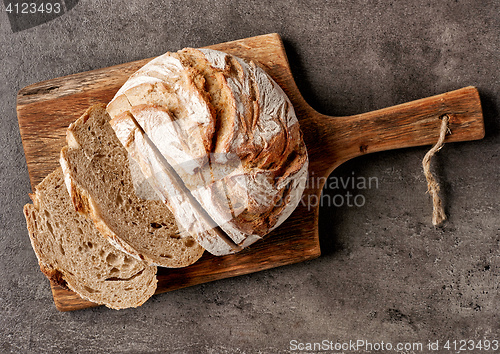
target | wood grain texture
[{"x": 46, "y": 109}]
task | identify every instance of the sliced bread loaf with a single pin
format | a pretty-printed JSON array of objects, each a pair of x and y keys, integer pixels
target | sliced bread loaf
[
  {"x": 97, "y": 175},
  {"x": 72, "y": 253},
  {"x": 229, "y": 132}
]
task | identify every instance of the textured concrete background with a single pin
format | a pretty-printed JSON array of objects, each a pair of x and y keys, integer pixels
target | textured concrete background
[{"x": 385, "y": 274}]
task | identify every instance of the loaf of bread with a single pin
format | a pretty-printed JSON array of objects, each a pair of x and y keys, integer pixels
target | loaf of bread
[
  {"x": 97, "y": 177},
  {"x": 72, "y": 253},
  {"x": 229, "y": 132}
]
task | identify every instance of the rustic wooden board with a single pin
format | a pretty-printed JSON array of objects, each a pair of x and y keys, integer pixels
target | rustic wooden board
[{"x": 46, "y": 109}]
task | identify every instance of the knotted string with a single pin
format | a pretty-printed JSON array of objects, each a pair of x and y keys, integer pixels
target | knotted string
[{"x": 438, "y": 215}]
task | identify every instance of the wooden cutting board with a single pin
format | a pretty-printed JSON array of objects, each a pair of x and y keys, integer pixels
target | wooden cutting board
[{"x": 46, "y": 109}]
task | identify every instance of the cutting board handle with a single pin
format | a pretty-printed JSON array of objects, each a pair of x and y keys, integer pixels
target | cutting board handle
[{"x": 409, "y": 124}]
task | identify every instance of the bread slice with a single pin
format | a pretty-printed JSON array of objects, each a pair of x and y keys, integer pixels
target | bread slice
[
  {"x": 97, "y": 176},
  {"x": 72, "y": 253}
]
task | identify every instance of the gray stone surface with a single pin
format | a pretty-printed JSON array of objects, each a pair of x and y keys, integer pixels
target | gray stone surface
[{"x": 386, "y": 274}]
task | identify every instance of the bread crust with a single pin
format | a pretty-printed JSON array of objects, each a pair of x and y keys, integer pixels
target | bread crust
[
  {"x": 55, "y": 276},
  {"x": 238, "y": 110}
]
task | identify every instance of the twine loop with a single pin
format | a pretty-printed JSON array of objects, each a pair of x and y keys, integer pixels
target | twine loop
[{"x": 438, "y": 214}]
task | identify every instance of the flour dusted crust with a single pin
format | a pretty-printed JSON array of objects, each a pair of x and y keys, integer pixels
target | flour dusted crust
[{"x": 230, "y": 133}]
